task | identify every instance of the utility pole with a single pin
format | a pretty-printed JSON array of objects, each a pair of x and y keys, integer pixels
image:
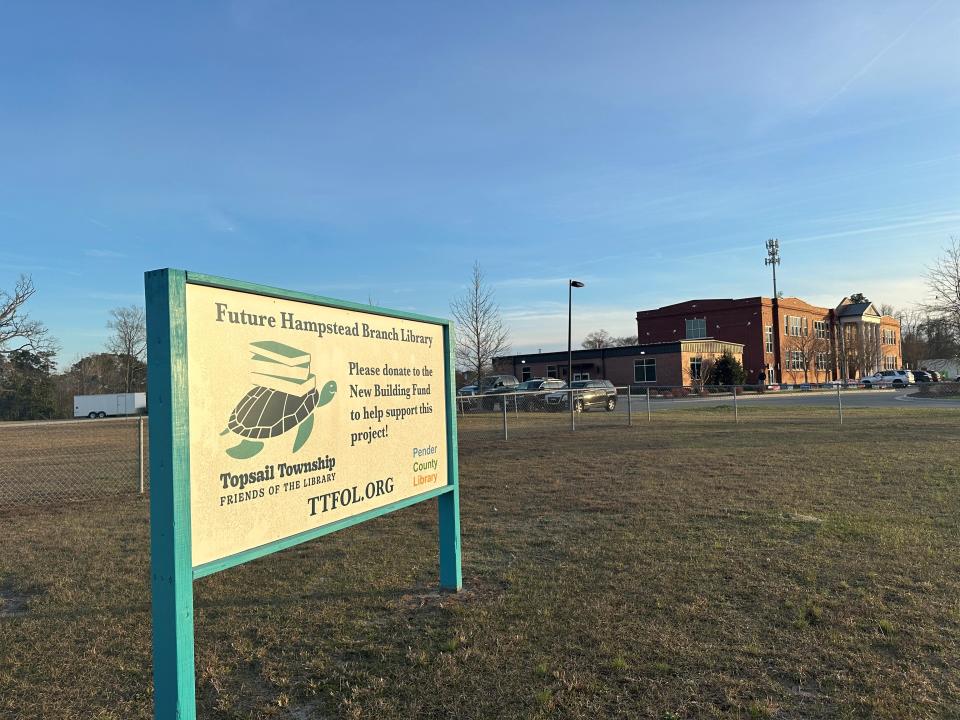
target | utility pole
[{"x": 773, "y": 259}]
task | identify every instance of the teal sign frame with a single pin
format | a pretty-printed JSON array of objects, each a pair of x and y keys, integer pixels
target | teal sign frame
[{"x": 172, "y": 571}]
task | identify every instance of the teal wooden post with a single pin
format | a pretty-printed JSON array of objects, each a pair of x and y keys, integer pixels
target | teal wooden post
[
  {"x": 448, "y": 504},
  {"x": 171, "y": 569}
]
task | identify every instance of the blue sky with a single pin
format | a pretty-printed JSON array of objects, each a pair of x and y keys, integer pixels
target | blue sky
[{"x": 374, "y": 150}]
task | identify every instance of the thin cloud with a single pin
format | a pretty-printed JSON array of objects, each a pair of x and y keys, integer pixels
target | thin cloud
[
  {"x": 873, "y": 61},
  {"x": 946, "y": 218}
]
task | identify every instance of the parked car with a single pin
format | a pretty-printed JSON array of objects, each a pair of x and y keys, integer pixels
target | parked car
[
  {"x": 494, "y": 385},
  {"x": 534, "y": 392},
  {"x": 935, "y": 376},
  {"x": 497, "y": 382},
  {"x": 888, "y": 378},
  {"x": 467, "y": 390},
  {"x": 586, "y": 394},
  {"x": 922, "y": 376}
]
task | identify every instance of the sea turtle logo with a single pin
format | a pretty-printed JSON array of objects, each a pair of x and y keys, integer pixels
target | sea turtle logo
[{"x": 284, "y": 395}]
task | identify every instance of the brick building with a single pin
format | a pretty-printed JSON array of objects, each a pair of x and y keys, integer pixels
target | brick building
[
  {"x": 788, "y": 341},
  {"x": 677, "y": 362}
]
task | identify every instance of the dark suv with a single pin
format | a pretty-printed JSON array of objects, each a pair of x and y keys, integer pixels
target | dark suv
[
  {"x": 586, "y": 394},
  {"x": 492, "y": 386},
  {"x": 535, "y": 391}
]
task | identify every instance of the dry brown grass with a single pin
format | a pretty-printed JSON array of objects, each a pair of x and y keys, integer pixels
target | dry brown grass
[
  {"x": 686, "y": 569},
  {"x": 67, "y": 461}
]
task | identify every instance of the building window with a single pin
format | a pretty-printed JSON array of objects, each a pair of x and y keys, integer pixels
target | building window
[
  {"x": 552, "y": 371},
  {"x": 696, "y": 365},
  {"x": 889, "y": 337},
  {"x": 645, "y": 370},
  {"x": 795, "y": 326},
  {"x": 795, "y": 360},
  {"x": 526, "y": 372},
  {"x": 889, "y": 362},
  {"x": 821, "y": 329},
  {"x": 822, "y": 360},
  {"x": 768, "y": 339},
  {"x": 696, "y": 328},
  {"x": 581, "y": 376}
]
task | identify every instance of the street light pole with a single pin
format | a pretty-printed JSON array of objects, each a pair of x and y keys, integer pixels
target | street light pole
[{"x": 572, "y": 284}]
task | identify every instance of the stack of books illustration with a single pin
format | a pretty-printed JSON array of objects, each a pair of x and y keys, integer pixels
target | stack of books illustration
[{"x": 281, "y": 367}]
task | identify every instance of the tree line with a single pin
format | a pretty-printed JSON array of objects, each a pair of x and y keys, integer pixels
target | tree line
[{"x": 32, "y": 388}]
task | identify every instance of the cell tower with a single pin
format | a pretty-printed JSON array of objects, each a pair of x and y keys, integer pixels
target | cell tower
[{"x": 773, "y": 259}]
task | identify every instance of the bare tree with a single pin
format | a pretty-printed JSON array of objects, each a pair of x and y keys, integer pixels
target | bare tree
[
  {"x": 597, "y": 339},
  {"x": 699, "y": 380},
  {"x": 17, "y": 330},
  {"x": 860, "y": 352},
  {"x": 129, "y": 340},
  {"x": 804, "y": 349},
  {"x": 481, "y": 334},
  {"x": 602, "y": 339},
  {"x": 913, "y": 350},
  {"x": 943, "y": 282}
]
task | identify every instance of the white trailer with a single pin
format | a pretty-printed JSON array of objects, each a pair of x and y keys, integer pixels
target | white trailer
[{"x": 99, "y": 406}]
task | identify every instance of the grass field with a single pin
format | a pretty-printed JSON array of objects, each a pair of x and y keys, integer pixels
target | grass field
[
  {"x": 67, "y": 461},
  {"x": 689, "y": 568}
]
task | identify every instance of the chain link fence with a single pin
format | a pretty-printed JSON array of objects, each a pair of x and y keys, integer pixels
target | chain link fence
[
  {"x": 503, "y": 414},
  {"x": 72, "y": 460},
  {"x": 69, "y": 461}
]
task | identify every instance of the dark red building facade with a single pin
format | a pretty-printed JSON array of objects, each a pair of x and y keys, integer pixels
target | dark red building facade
[{"x": 789, "y": 341}]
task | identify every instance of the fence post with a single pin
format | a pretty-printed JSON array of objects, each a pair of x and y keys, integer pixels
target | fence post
[
  {"x": 140, "y": 449},
  {"x": 736, "y": 412},
  {"x": 649, "y": 418},
  {"x": 573, "y": 422},
  {"x": 629, "y": 408},
  {"x": 839, "y": 405},
  {"x": 503, "y": 404}
]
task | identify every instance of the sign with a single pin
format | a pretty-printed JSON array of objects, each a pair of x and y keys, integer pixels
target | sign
[
  {"x": 302, "y": 414},
  {"x": 278, "y": 417}
]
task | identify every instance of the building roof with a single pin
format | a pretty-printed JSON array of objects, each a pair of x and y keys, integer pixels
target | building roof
[
  {"x": 703, "y": 305},
  {"x": 857, "y": 309}
]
